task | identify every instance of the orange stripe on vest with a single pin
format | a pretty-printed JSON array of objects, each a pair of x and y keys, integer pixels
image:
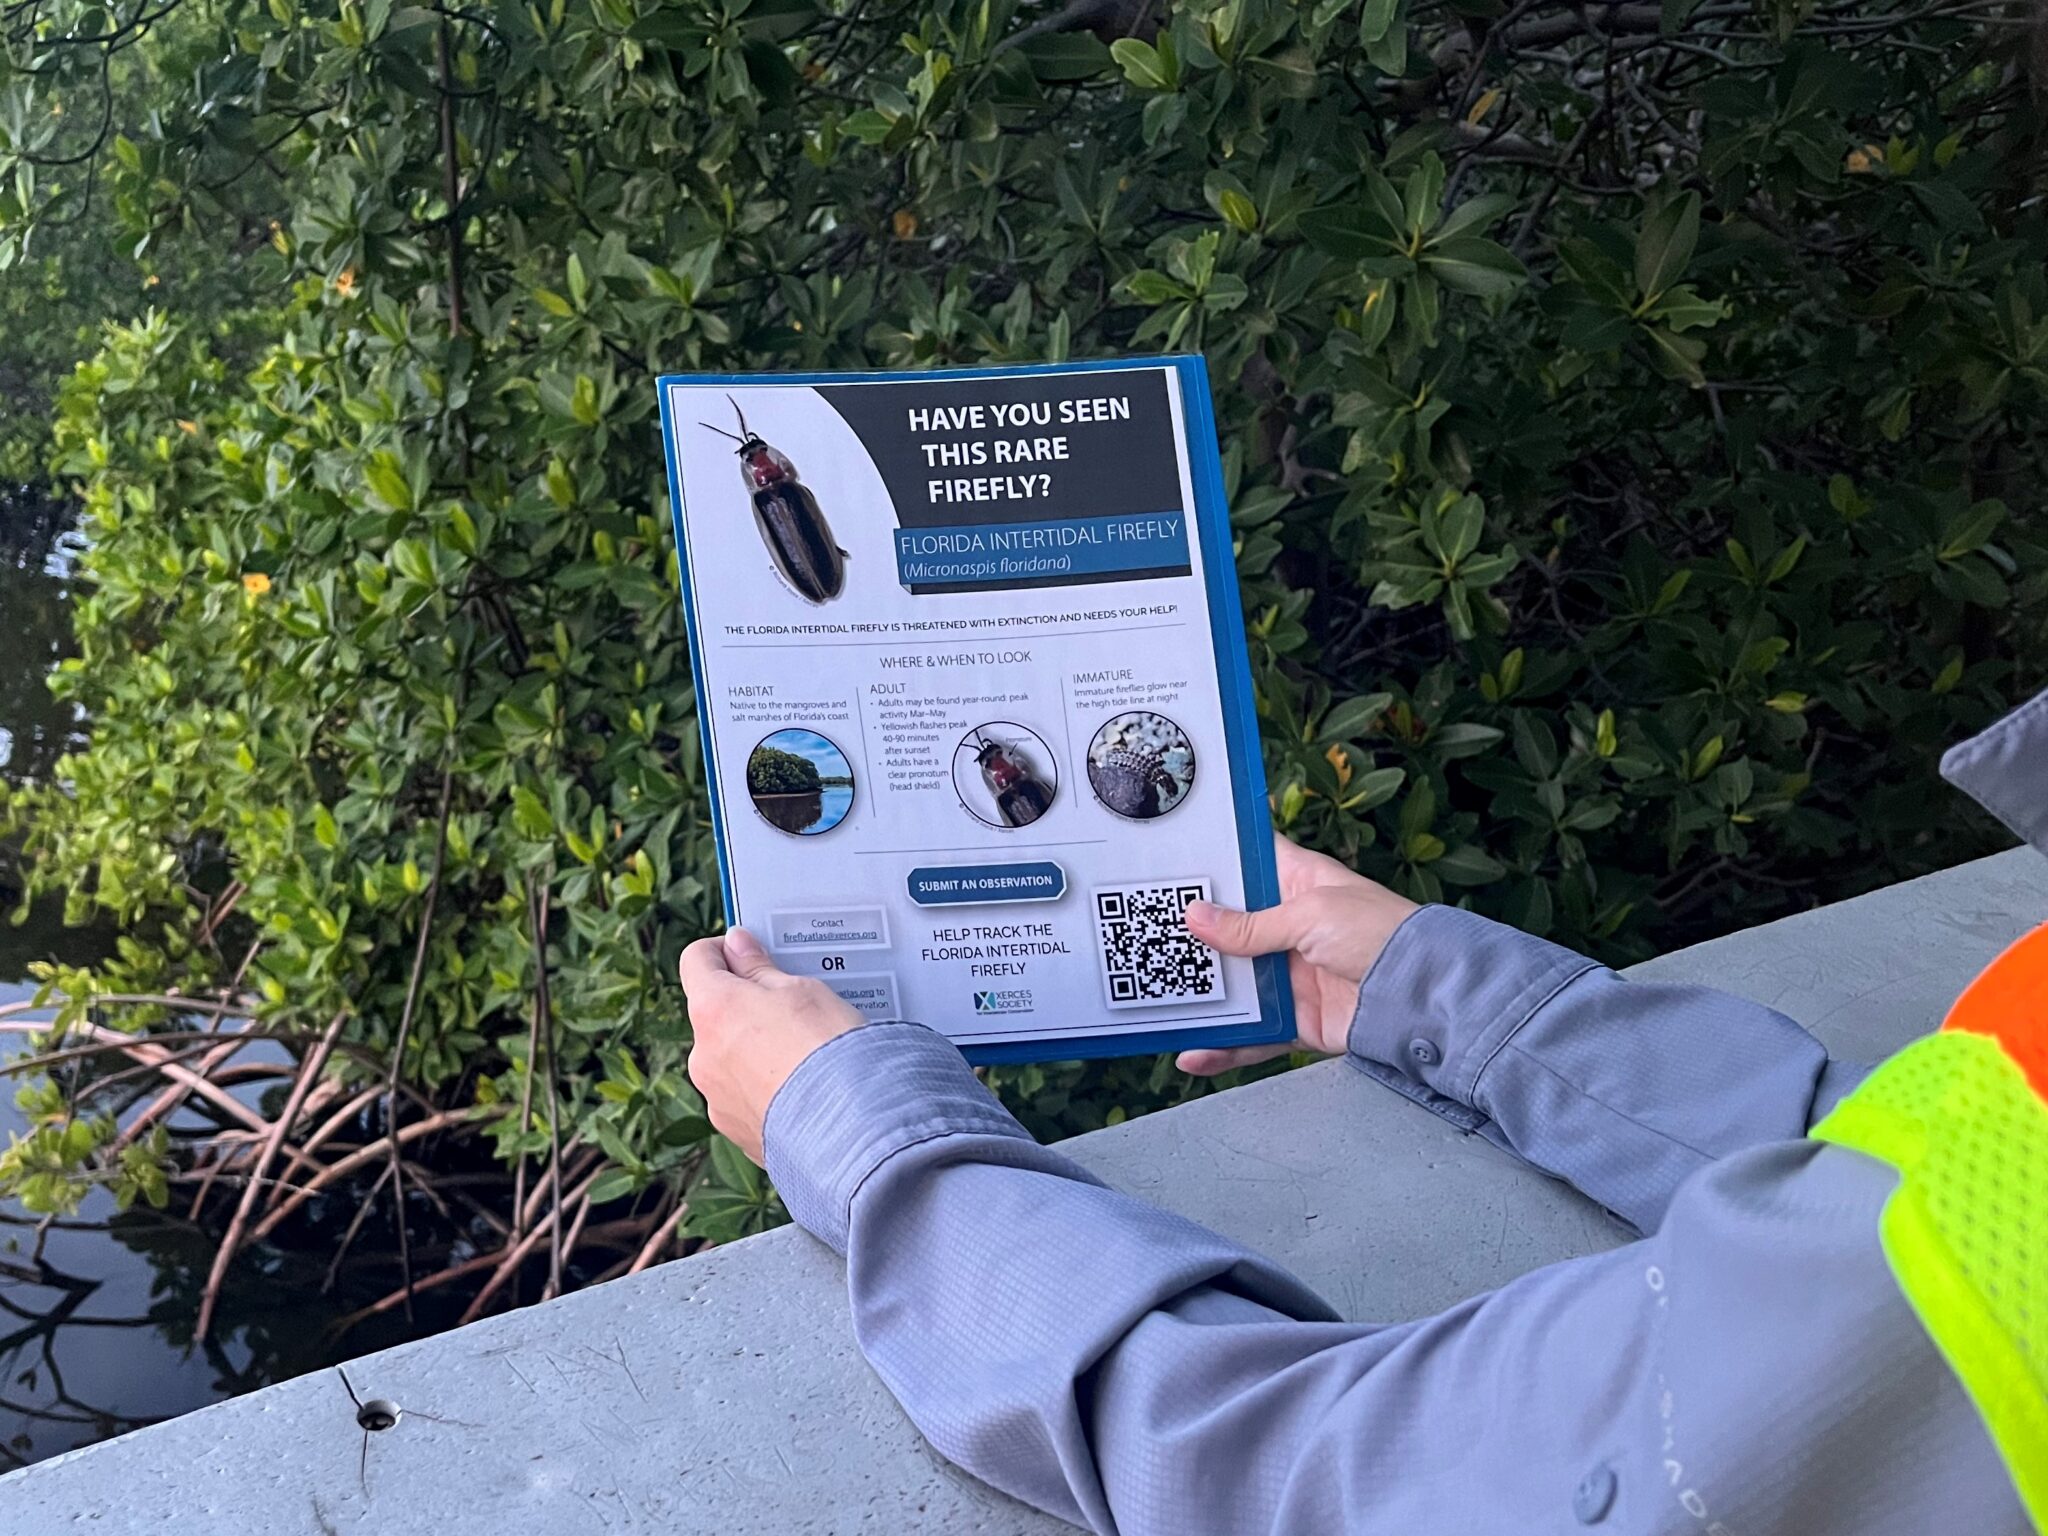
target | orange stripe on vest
[{"x": 2009, "y": 1002}]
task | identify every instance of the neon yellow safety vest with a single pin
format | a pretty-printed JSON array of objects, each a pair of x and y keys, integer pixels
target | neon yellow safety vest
[{"x": 1963, "y": 1116}]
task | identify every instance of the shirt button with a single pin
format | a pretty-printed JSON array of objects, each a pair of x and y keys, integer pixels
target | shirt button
[
  {"x": 1594, "y": 1496},
  {"x": 1424, "y": 1053}
]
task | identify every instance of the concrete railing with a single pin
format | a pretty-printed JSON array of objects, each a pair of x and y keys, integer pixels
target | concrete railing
[{"x": 723, "y": 1394}]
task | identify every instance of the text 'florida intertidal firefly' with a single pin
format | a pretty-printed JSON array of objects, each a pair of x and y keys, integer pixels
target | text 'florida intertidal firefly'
[{"x": 793, "y": 527}]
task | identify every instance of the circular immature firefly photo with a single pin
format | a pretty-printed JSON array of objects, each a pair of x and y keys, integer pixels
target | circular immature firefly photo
[
  {"x": 1141, "y": 764},
  {"x": 800, "y": 782},
  {"x": 1004, "y": 774}
]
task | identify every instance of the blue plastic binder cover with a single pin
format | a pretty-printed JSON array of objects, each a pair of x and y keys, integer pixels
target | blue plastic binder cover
[{"x": 1037, "y": 560}]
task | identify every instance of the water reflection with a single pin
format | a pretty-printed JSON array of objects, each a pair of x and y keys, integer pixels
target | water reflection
[
  {"x": 820, "y": 811},
  {"x": 38, "y": 547}
]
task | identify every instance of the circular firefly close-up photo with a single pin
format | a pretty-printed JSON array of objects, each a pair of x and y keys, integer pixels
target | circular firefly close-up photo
[
  {"x": 800, "y": 782},
  {"x": 1141, "y": 765},
  {"x": 1004, "y": 774}
]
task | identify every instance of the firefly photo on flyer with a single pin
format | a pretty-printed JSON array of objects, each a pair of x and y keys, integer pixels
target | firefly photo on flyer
[
  {"x": 997, "y": 774},
  {"x": 976, "y": 711}
]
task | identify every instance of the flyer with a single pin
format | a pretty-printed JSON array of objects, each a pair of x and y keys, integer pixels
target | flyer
[{"x": 976, "y": 710}]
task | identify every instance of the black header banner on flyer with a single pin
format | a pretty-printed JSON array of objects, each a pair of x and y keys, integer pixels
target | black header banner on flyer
[{"x": 1026, "y": 480}]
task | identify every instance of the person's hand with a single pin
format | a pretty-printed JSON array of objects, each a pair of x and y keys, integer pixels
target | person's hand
[
  {"x": 1332, "y": 923},
  {"x": 753, "y": 1025}
]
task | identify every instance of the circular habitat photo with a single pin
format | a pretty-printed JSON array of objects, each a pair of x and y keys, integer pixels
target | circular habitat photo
[
  {"x": 1004, "y": 774},
  {"x": 1141, "y": 764},
  {"x": 800, "y": 782}
]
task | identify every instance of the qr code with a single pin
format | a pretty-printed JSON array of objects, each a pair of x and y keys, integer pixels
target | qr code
[{"x": 1148, "y": 955}]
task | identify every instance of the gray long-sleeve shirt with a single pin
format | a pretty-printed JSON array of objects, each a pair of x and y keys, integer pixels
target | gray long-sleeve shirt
[{"x": 1748, "y": 1367}]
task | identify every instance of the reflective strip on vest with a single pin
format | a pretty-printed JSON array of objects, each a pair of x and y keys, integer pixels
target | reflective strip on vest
[{"x": 1966, "y": 1231}]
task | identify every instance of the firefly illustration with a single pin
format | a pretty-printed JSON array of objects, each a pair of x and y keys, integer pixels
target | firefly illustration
[
  {"x": 792, "y": 525},
  {"x": 1021, "y": 796}
]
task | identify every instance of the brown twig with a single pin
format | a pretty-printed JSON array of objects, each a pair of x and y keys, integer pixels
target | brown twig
[
  {"x": 451, "y": 186},
  {"x": 526, "y": 1109},
  {"x": 537, "y": 907},
  {"x": 302, "y": 1154},
  {"x": 150, "y": 1051},
  {"x": 233, "y": 1006},
  {"x": 212, "y": 1172},
  {"x": 309, "y": 1073},
  {"x": 568, "y": 1246},
  {"x": 248, "y": 959},
  {"x": 514, "y": 1257},
  {"x": 439, "y": 1277},
  {"x": 167, "y": 1103},
  {"x": 223, "y": 906},
  {"x": 412, "y": 988},
  {"x": 114, "y": 1040},
  {"x": 664, "y": 1233},
  {"x": 341, "y": 1168},
  {"x": 355, "y": 1225}
]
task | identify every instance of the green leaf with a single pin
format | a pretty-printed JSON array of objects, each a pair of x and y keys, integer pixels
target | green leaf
[
  {"x": 1467, "y": 864},
  {"x": 1423, "y": 847},
  {"x": 1388, "y": 53},
  {"x": 1677, "y": 357},
  {"x": 1473, "y": 265},
  {"x": 612, "y": 1184},
  {"x": 414, "y": 561},
  {"x": 1373, "y": 788},
  {"x": 869, "y": 126},
  {"x": 1347, "y": 230},
  {"x": 1970, "y": 530},
  {"x": 530, "y": 814},
  {"x": 1142, "y": 64},
  {"x": 1664, "y": 248},
  {"x": 1467, "y": 738},
  {"x": 1063, "y": 57},
  {"x": 1422, "y": 194},
  {"x": 1453, "y": 532},
  {"x": 1681, "y": 309},
  {"x": 1351, "y": 718},
  {"x": 1472, "y": 215},
  {"x": 732, "y": 1168},
  {"x": 1238, "y": 210},
  {"x": 1149, "y": 287},
  {"x": 462, "y": 529},
  {"x": 388, "y": 482}
]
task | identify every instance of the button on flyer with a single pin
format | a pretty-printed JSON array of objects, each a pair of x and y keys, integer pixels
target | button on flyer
[{"x": 975, "y": 704}]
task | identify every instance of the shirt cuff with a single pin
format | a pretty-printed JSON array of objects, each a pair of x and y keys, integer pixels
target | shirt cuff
[
  {"x": 2005, "y": 770},
  {"x": 858, "y": 1100},
  {"x": 1448, "y": 991}
]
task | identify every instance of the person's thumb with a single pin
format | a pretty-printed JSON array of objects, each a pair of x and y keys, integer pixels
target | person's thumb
[
  {"x": 1233, "y": 932},
  {"x": 745, "y": 957}
]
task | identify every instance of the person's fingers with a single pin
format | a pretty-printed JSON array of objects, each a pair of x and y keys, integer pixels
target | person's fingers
[
  {"x": 703, "y": 967},
  {"x": 745, "y": 957},
  {"x": 1207, "y": 1063},
  {"x": 1246, "y": 933}
]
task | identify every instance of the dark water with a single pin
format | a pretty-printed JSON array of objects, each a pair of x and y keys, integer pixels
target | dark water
[
  {"x": 807, "y": 814},
  {"x": 96, "y": 1331},
  {"x": 37, "y": 548}
]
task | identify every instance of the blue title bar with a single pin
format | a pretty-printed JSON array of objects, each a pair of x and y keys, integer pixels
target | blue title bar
[
  {"x": 957, "y": 885},
  {"x": 1075, "y": 546}
]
